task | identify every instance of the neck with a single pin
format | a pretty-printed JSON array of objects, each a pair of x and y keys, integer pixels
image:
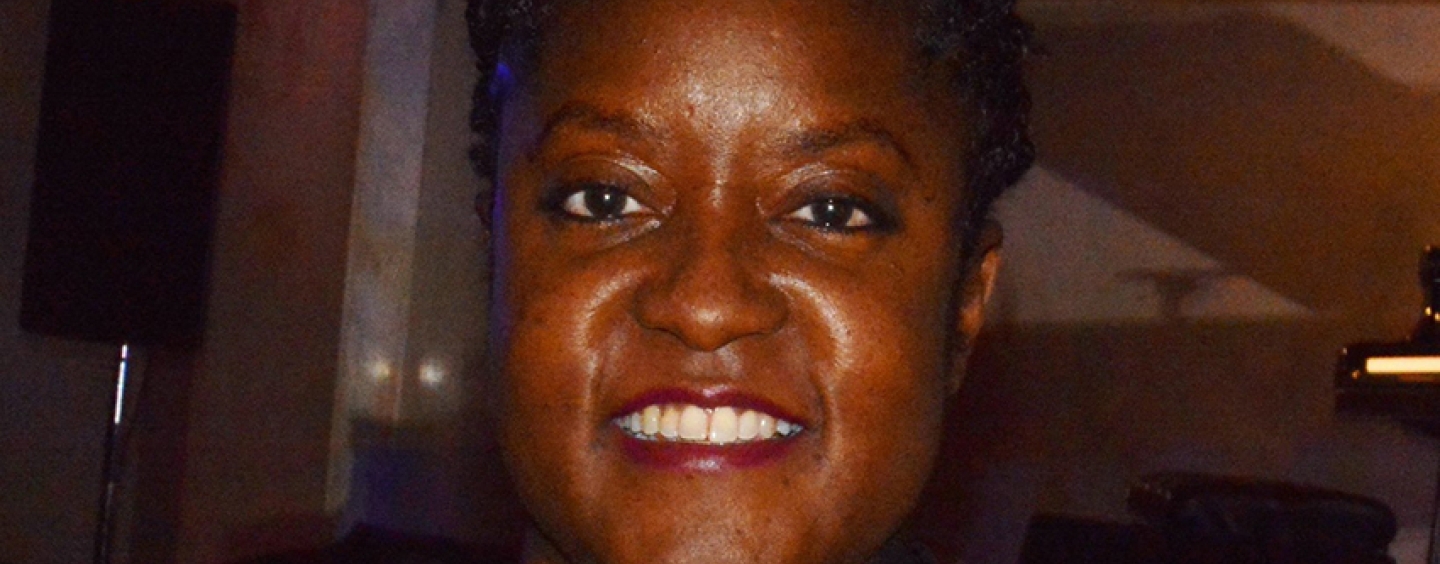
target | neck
[{"x": 539, "y": 550}]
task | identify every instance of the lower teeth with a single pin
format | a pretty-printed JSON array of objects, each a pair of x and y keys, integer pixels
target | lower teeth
[{"x": 660, "y": 439}]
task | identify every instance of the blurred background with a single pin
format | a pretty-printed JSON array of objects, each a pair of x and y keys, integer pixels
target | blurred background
[{"x": 1226, "y": 194}]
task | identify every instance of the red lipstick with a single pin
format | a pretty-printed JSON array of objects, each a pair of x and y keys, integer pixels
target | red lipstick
[
  {"x": 700, "y": 458},
  {"x": 656, "y": 451}
]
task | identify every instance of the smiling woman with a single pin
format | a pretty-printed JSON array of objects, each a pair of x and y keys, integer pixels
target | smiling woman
[{"x": 740, "y": 252}]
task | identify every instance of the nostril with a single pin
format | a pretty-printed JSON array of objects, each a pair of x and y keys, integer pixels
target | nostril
[{"x": 709, "y": 302}]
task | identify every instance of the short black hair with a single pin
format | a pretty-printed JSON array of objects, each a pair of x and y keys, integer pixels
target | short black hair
[{"x": 990, "y": 38}]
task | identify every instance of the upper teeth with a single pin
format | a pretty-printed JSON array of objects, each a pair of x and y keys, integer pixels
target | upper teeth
[{"x": 690, "y": 423}]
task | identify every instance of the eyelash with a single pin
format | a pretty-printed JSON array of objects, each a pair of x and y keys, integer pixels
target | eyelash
[{"x": 573, "y": 203}]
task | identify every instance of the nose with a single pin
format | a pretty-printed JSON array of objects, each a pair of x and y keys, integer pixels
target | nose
[{"x": 710, "y": 292}]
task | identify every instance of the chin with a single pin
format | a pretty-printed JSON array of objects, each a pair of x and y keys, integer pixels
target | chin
[{"x": 610, "y": 496}]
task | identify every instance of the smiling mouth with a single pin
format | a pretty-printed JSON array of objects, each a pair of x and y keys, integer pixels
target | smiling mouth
[{"x": 687, "y": 423}]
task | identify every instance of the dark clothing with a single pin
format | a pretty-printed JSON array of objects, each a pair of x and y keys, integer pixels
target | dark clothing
[{"x": 369, "y": 545}]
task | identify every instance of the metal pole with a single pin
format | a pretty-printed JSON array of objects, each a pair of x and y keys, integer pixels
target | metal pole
[
  {"x": 105, "y": 519},
  {"x": 1433, "y": 553}
]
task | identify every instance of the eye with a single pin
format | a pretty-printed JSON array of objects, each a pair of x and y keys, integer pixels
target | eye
[
  {"x": 600, "y": 202},
  {"x": 835, "y": 214}
]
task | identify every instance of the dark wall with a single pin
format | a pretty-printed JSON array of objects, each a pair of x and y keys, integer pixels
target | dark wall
[
  {"x": 53, "y": 394},
  {"x": 1242, "y": 197},
  {"x": 231, "y": 458}
]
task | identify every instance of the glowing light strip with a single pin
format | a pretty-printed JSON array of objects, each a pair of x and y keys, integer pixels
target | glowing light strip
[
  {"x": 120, "y": 383},
  {"x": 1403, "y": 365}
]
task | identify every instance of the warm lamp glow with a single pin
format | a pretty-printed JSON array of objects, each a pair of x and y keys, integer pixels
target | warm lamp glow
[
  {"x": 432, "y": 374},
  {"x": 1403, "y": 365},
  {"x": 380, "y": 370}
]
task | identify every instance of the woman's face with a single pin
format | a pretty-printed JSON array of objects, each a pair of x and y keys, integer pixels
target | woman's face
[{"x": 727, "y": 284}]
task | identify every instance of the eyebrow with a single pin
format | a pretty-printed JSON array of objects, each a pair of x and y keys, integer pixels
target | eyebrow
[
  {"x": 586, "y": 116},
  {"x": 816, "y": 141},
  {"x": 806, "y": 142}
]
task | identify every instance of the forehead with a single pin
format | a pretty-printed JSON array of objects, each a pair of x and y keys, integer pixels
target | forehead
[
  {"x": 824, "y": 41},
  {"x": 742, "y": 65},
  {"x": 880, "y": 24}
]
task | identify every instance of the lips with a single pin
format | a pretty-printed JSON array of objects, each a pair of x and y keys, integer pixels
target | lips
[{"x": 707, "y": 430}]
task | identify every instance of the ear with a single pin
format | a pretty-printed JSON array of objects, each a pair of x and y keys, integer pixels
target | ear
[{"x": 975, "y": 289}]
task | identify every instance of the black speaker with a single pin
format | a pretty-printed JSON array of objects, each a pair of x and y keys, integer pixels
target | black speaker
[{"x": 127, "y": 162}]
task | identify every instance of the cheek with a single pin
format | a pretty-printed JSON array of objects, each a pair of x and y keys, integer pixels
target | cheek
[
  {"x": 876, "y": 344},
  {"x": 536, "y": 337},
  {"x": 883, "y": 324},
  {"x": 555, "y": 321},
  {"x": 545, "y": 299}
]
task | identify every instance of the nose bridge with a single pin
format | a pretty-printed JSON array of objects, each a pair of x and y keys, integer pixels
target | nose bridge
[{"x": 711, "y": 288}]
